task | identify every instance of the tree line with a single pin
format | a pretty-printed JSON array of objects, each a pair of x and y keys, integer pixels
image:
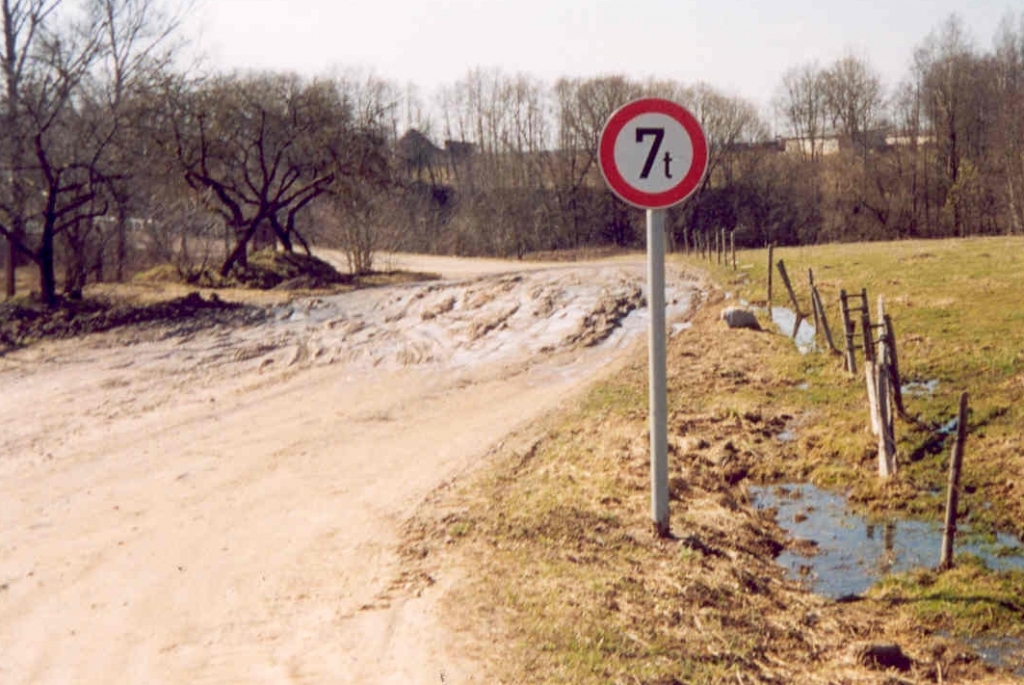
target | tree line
[{"x": 114, "y": 158}]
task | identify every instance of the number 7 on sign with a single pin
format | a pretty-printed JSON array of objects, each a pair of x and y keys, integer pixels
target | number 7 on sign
[
  {"x": 652, "y": 156},
  {"x": 653, "y": 153}
]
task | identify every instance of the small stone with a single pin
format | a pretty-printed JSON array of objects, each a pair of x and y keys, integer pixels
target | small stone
[
  {"x": 736, "y": 317},
  {"x": 882, "y": 657}
]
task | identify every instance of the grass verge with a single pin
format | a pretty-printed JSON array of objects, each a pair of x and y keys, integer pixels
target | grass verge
[{"x": 573, "y": 587}]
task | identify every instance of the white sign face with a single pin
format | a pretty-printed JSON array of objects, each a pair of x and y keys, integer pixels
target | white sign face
[{"x": 653, "y": 153}]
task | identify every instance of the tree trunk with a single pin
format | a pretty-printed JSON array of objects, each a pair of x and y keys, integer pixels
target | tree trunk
[
  {"x": 240, "y": 254},
  {"x": 283, "y": 235},
  {"x": 12, "y": 261},
  {"x": 47, "y": 277},
  {"x": 121, "y": 243},
  {"x": 237, "y": 256}
]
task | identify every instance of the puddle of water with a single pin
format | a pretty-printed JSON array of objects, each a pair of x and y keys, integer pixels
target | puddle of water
[
  {"x": 785, "y": 319},
  {"x": 787, "y": 435},
  {"x": 949, "y": 427},
  {"x": 1002, "y": 652},
  {"x": 678, "y": 328},
  {"x": 849, "y": 553},
  {"x": 920, "y": 388}
]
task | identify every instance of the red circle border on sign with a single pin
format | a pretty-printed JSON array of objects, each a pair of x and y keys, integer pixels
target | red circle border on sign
[{"x": 620, "y": 186}]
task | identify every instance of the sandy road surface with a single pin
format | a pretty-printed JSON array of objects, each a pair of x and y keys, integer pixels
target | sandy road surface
[{"x": 223, "y": 506}]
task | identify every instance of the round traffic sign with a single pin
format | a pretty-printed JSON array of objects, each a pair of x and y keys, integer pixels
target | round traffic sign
[{"x": 653, "y": 153}]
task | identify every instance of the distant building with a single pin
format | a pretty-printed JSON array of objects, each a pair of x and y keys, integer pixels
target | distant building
[
  {"x": 878, "y": 140},
  {"x": 420, "y": 157},
  {"x": 812, "y": 147},
  {"x": 416, "y": 152},
  {"x": 459, "y": 150}
]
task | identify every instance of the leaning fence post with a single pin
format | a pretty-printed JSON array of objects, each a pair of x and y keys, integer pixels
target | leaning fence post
[
  {"x": 814, "y": 307},
  {"x": 897, "y": 381},
  {"x": 792, "y": 298},
  {"x": 820, "y": 318},
  {"x": 823, "y": 317},
  {"x": 953, "y": 493}
]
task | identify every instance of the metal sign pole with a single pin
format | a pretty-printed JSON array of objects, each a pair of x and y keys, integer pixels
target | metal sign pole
[
  {"x": 653, "y": 154},
  {"x": 656, "y": 349}
]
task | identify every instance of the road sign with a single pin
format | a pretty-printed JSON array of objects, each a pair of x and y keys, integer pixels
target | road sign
[{"x": 653, "y": 153}]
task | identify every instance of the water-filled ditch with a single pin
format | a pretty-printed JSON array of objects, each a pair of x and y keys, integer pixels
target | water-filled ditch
[
  {"x": 839, "y": 554},
  {"x": 785, "y": 319}
]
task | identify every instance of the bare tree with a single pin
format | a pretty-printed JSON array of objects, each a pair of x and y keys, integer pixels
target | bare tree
[
  {"x": 502, "y": 198},
  {"x": 140, "y": 41},
  {"x": 727, "y": 122},
  {"x": 1009, "y": 57},
  {"x": 957, "y": 87},
  {"x": 59, "y": 60},
  {"x": 801, "y": 103},
  {"x": 853, "y": 97},
  {"x": 359, "y": 206},
  {"x": 23, "y": 24},
  {"x": 53, "y": 182},
  {"x": 266, "y": 146},
  {"x": 582, "y": 108}
]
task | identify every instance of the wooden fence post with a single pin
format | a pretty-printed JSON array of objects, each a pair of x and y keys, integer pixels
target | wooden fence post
[
  {"x": 865, "y": 321},
  {"x": 792, "y": 298},
  {"x": 820, "y": 318},
  {"x": 732, "y": 245},
  {"x": 894, "y": 368},
  {"x": 823, "y": 317},
  {"x": 848, "y": 330},
  {"x": 883, "y": 404},
  {"x": 953, "y": 493},
  {"x": 771, "y": 269},
  {"x": 870, "y": 377},
  {"x": 814, "y": 307}
]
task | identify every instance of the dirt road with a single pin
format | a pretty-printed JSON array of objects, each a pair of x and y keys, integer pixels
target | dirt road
[{"x": 224, "y": 505}]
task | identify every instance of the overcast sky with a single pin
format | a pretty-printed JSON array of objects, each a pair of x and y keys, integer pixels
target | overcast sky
[{"x": 741, "y": 47}]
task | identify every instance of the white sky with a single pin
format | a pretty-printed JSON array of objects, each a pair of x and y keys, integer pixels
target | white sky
[{"x": 741, "y": 47}]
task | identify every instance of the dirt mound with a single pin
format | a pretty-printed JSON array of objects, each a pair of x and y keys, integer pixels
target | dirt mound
[
  {"x": 265, "y": 270},
  {"x": 22, "y": 324},
  {"x": 268, "y": 269}
]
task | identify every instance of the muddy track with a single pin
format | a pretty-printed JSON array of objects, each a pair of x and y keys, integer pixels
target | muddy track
[{"x": 222, "y": 504}]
